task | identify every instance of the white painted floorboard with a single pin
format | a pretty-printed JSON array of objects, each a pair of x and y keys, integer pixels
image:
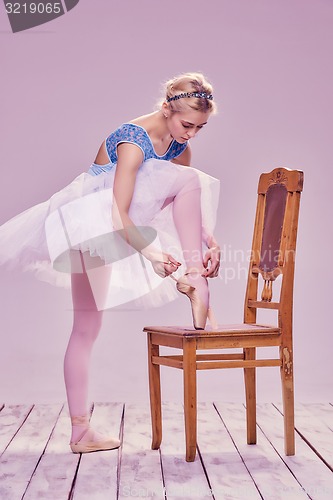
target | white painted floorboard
[
  {"x": 57, "y": 467},
  {"x": 183, "y": 480},
  {"x": 276, "y": 480},
  {"x": 140, "y": 473},
  {"x": 317, "y": 483},
  {"x": 21, "y": 457},
  {"x": 36, "y": 461},
  {"x": 221, "y": 459}
]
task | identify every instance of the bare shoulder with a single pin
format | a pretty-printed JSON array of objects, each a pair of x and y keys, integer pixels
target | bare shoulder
[
  {"x": 129, "y": 155},
  {"x": 144, "y": 120},
  {"x": 184, "y": 158}
]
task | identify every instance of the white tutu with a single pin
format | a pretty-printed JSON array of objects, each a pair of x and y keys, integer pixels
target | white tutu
[{"x": 43, "y": 238}]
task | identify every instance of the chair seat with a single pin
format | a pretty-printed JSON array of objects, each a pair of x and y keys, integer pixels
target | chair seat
[{"x": 221, "y": 330}]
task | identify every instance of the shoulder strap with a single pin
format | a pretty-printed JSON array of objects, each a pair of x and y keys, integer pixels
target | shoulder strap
[
  {"x": 128, "y": 132},
  {"x": 176, "y": 150}
]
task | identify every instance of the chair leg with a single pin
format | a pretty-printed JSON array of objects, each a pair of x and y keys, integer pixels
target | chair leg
[
  {"x": 190, "y": 397},
  {"x": 287, "y": 381},
  {"x": 250, "y": 395},
  {"x": 155, "y": 395}
]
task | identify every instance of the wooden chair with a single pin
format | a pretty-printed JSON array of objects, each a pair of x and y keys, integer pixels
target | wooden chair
[{"x": 273, "y": 255}]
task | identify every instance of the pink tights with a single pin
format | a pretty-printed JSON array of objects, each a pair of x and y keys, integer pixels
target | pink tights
[
  {"x": 87, "y": 319},
  {"x": 86, "y": 326}
]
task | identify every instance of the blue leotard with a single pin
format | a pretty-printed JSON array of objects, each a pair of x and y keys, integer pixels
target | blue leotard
[{"x": 135, "y": 134}]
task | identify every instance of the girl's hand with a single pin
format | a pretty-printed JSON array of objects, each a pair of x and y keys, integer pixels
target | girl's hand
[
  {"x": 165, "y": 265},
  {"x": 212, "y": 257}
]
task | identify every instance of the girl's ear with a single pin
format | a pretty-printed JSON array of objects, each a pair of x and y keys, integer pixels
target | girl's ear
[{"x": 165, "y": 109}]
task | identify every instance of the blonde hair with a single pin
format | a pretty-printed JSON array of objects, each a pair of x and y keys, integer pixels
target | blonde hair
[{"x": 189, "y": 82}]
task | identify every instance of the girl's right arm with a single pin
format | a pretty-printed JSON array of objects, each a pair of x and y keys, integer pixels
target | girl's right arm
[{"x": 130, "y": 157}]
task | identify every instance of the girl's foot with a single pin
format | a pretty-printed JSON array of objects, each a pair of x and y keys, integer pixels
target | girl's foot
[
  {"x": 195, "y": 287},
  {"x": 85, "y": 440}
]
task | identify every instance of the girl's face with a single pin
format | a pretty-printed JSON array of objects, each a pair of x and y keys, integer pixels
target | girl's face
[{"x": 183, "y": 125}]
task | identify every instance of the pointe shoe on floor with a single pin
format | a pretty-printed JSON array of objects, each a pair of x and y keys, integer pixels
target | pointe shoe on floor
[
  {"x": 200, "y": 310},
  {"x": 88, "y": 446}
]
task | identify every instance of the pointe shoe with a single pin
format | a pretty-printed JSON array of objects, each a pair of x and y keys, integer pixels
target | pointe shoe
[
  {"x": 199, "y": 310},
  {"x": 79, "y": 446}
]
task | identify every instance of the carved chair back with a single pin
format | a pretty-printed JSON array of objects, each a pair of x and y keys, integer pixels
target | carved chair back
[{"x": 274, "y": 244}]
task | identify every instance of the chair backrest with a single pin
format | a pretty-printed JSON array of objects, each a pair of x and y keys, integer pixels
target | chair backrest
[{"x": 274, "y": 243}]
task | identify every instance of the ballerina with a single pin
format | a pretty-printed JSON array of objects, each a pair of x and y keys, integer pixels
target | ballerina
[{"x": 139, "y": 215}]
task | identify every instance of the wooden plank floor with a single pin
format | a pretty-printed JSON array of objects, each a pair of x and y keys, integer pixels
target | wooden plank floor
[{"x": 36, "y": 462}]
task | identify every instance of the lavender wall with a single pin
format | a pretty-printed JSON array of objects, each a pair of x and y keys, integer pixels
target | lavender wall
[{"x": 67, "y": 84}]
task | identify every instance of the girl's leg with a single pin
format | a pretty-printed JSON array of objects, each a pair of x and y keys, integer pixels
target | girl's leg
[
  {"x": 87, "y": 322},
  {"x": 188, "y": 221}
]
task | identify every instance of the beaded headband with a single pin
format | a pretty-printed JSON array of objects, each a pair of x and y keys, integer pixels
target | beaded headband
[{"x": 202, "y": 95}]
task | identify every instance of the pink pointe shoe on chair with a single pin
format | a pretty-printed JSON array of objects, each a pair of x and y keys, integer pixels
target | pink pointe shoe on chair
[
  {"x": 200, "y": 311},
  {"x": 79, "y": 446}
]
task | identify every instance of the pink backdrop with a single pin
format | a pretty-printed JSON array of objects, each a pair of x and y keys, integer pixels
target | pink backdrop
[{"x": 67, "y": 84}]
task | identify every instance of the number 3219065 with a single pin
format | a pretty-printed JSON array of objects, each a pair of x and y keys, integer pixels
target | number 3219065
[{"x": 33, "y": 8}]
